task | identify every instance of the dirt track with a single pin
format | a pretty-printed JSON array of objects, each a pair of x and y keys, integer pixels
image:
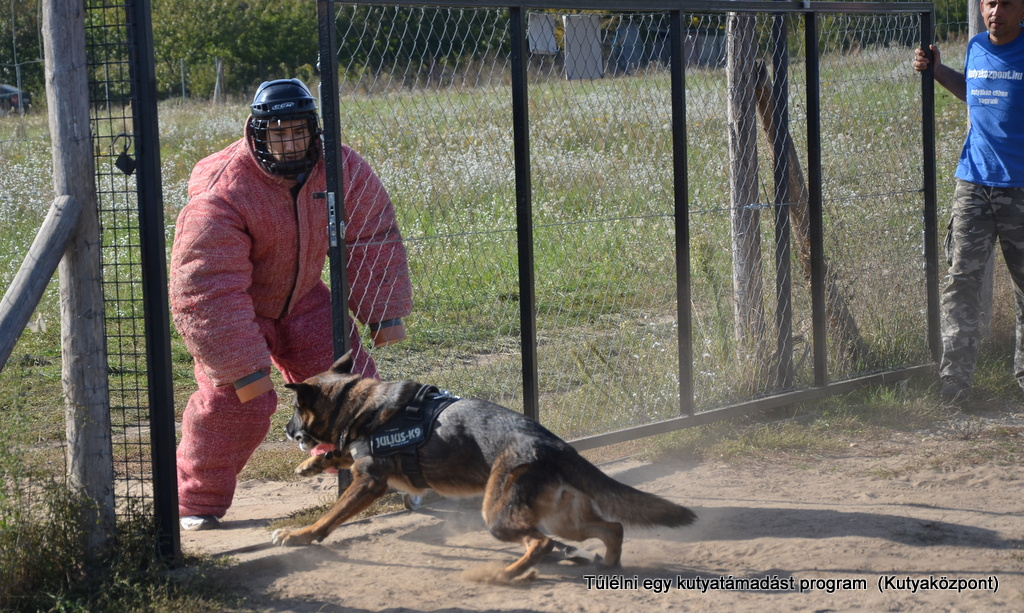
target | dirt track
[{"x": 880, "y": 527}]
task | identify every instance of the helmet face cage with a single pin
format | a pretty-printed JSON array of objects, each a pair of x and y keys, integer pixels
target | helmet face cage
[
  {"x": 266, "y": 139},
  {"x": 276, "y": 102}
]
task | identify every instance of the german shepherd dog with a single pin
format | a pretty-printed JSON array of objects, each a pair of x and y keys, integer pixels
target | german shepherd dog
[{"x": 530, "y": 479}]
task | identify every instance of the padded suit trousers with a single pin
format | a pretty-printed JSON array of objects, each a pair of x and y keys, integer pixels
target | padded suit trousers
[{"x": 219, "y": 433}]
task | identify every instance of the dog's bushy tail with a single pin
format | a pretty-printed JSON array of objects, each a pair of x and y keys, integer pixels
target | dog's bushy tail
[{"x": 620, "y": 502}]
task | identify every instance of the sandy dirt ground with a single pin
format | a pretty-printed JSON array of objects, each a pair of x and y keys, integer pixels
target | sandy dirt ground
[{"x": 904, "y": 522}]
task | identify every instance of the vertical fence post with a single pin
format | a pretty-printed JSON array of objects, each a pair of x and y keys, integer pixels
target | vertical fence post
[
  {"x": 524, "y": 214},
  {"x": 975, "y": 24},
  {"x": 745, "y": 212},
  {"x": 335, "y": 193},
  {"x": 218, "y": 81},
  {"x": 153, "y": 246},
  {"x": 83, "y": 337},
  {"x": 814, "y": 204},
  {"x": 931, "y": 230},
  {"x": 783, "y": 279},
  {"x": 681, "y": 212}
]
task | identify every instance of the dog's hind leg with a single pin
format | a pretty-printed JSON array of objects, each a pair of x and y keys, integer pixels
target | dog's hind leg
[
  {"x": 511, "y": 516},
  {"x": 571, "y": 515},
  {"x": 517, "y": 526},
  {"x": 610, "y": 534},
  {"x": 537, "y": 546}
]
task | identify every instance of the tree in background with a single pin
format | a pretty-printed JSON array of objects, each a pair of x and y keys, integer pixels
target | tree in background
[
  {"x": 22, "y": 47},
  {"x": 257, "y": 40}
]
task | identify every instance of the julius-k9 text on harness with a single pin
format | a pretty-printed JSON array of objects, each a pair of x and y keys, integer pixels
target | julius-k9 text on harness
[{"x": 406, "y": 432}]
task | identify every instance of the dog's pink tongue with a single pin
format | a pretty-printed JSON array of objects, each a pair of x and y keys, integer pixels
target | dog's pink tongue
[{"x": 322, "y": 448}]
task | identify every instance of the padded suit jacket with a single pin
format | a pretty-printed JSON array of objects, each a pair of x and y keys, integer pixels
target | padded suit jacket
[{"x": 244, "y": 247}]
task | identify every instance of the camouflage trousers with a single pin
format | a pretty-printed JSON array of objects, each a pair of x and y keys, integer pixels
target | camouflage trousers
[{"x": 980, "y": 216}]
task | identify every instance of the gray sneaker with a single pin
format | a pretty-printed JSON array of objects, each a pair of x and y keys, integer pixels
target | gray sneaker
[{"x": 199, "y": 522}]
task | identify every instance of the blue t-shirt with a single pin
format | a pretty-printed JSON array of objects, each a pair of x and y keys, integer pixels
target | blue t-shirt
[{"x": 993, "y": 153}]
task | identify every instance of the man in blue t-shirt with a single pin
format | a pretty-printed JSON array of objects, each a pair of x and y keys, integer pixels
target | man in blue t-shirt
[{"x": 989, "y": 198}]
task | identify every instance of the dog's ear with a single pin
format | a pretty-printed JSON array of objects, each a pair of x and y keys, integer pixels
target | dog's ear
[
  {"x": 343, "y": 365},
  {"x": 304, "y": 392}
]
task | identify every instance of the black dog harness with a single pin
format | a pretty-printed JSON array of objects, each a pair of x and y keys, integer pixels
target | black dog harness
[{"x": 406, "y": 431}]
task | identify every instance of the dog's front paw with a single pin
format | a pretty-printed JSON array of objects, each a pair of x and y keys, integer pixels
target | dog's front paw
[
  {"x": 288, "y": 538},
  {"x": 277, "y": 537},
  {"x": 312, "y": 466}
]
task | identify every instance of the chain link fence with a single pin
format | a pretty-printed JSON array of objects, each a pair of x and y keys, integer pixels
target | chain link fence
[{"x": 426, "y": 97}]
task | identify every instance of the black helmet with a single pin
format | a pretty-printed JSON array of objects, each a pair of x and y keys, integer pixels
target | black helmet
[{"x": 280, "y": 100}]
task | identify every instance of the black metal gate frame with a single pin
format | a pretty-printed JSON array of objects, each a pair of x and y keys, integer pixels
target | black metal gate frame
[
  {"x": 153, "y": 257},
  {"x": 520, "y": 116}
]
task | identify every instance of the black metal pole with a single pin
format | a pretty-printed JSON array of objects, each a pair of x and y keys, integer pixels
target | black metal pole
[
  {"x": 154, "y": 282},
  {"x": 334, "y": 193},
  {"x": 781, "y": 148},
  {"x": 681, "y": 211},
  {"x": 524, "y": 214},
  {"x": 930, "y": 212},
  {"x": 814, "y": 204}
]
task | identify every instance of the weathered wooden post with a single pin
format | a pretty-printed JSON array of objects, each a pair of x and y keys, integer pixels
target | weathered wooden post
[
  {"x": 87, "y": 406},
  {"x": 840, "y": 319},
  {"x": 748, "y": 286}
]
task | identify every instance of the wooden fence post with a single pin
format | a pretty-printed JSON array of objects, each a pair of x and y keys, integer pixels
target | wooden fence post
[
  {"x": 748, "y": 286},
  {"x": 83, "y": 337},
  {"x": 839, "y": 318}
]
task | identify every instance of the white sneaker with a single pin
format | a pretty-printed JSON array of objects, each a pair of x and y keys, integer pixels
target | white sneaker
[{"x": 199, "y": 522}]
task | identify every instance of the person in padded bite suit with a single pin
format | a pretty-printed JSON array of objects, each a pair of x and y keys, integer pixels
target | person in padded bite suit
[{"x": 246, "y": 286}]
